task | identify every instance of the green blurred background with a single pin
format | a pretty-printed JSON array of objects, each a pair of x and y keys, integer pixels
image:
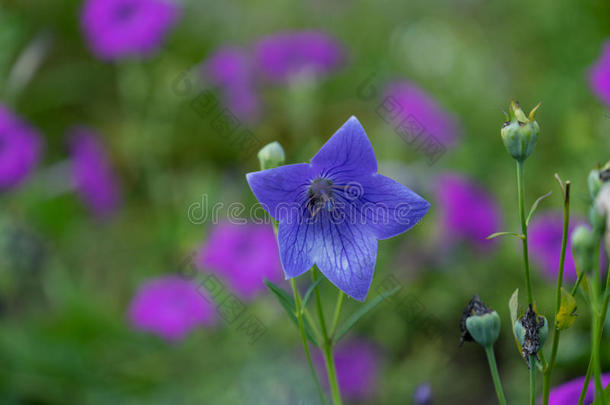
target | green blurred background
[{"x": 64, "y": 333}]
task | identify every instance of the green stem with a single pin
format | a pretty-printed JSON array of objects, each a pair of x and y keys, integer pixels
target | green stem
[
  {"x": 583, "y": 392},
  {"x": 585, "y": 388},
  {"x": 329, "y": 359},
  {"x": 521, "y": 195},
  {"x": 493, "y": 367},
  {"x": 546, "y": 383},
  {"x": 333, "y": 328},
  {"x": 532, "y": 380},
  {"x": 299, "y": 314},
  {"x": 597, "y": 325}
]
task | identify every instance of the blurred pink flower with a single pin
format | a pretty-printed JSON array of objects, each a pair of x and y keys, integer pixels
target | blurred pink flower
[
  {"x": 242, "y": 255},
  {"x": 544, "y": 234},
  {"x": 282, "y": 56},
  {"x": 230, "y": 69},
  {"x": 92, "y": 174},
  {"x": 425, "y": 110},
  {"x": 599, "y": 75},
  {"x": 569, "y": 392},
  {"x": 358, "y": 365},
  {"x": 20, "y": 149},
  {"x": 119, "y": 29},
  {"x": 468, "y": 211},
  {"x": 170, "y": 307}
]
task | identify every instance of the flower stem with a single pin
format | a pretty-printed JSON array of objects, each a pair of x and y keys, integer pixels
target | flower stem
[
  {"x": 333, "y": 328},
  {"x": 521, "y": 195},
  {"x": 493, "y": 367},
  {"x": 532, "y": 380},
  {"x": 546, "y": 383},
  {"x": 299, "y": 314},
  {"x": 329, "y": 359},
  {"x": 597, "y": 324}
]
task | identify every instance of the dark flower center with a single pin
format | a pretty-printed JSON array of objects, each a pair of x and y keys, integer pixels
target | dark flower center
[
  {"x": 123, "y": 12},
  {"x": 320, "y": 195}
]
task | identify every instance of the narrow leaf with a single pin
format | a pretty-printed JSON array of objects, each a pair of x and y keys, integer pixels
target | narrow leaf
[
  {"x": 495, "y": 235},
  {"x": 288, "y": 304},
  {"x": 310, "y": 290},
  {"x": 533, "y": 209},
  {"x": 567, "y": 311},
  {"x": 363, "y": 311},
  {"x": 513, "y": 306}
]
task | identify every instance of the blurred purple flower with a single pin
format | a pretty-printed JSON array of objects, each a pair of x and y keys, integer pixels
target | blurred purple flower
[
  {"x": 92, "y": 174},
  {"x": 599, "y": 75},
  {"x": 423, "y": 395},
  {"x": 20, "y": 149},
  {"x": 544, "y": 235},
  {"x": 117, "y": 29},
  {"x": 285, "y": 55},
  {"x": 332, "y": 211},
  {"x": 468, "y": 211},
  {"x": 243, "y": 255},
  {"x": 569, "y": 392},
  {"x": 419, "y": 105},
  {"x": 170, "y": 307},
  {"x": 230, "y": 69},
  {"x": 357, "y": 364}
]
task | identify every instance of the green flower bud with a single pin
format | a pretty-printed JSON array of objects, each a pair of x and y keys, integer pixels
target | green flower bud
[
  {"x": 597, "y": 178},
  {"x": 520, "y": 132},
  {"x": 583, "y": 248},
  {"x": 271, "y": 155},
  {"x": 595, "y": 183},
  {"x": 531, "y": 331},
  {"x": 597, "y": 217},
  {"x": 479, "y": 323},
  {"x": 484, "y": 329}
]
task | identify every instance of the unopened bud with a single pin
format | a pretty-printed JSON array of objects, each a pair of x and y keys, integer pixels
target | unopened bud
[
  {"x": 520, "y": 132},
  {"x": 583, "y": 248},
  {"x": 271, "y": 155}
]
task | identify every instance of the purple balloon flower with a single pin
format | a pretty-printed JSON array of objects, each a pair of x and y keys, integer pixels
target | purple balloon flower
[
  {"x": 243, "y": 255},
  {"x": 357, "y": 364},
  {"x": 418, "y": 105},
  {"x": 170, "y": 307},
  {"x": 92, "y": 174},
  {"x": 599, "y": 75},
  {"x": 231, "y": 69},
  {"x": 116, "y": 29},
  {"x": 332, "y": 211},
  {"x": 468, "y": 211},
  {"x": 568, "y": 393},
  {"x": 20, "y": 147},
  {"x": 283, "y": 56},
  {"x": 544, "y": 235}
]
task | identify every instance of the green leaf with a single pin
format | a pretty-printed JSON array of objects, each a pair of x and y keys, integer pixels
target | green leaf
[
  {"x": 513, "y": 306},
  {"x": 288, "y": 304},
  {"x": 535, "y": 205},
  {"x": 495, "y": 235},
  {"x": 310, "y": 290},
  {"x": 567, "y": 311},
  {"x": 363, "y": 311}
]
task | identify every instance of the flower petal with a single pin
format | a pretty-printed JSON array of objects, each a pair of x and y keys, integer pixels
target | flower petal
[
  {"x": 280, "y": 189},
  {"x": 345, "y": 253},
  {"x": 347, "y": 153},
  {"x": 296, "y": 240},
  {"x": 387, "y": 207}
]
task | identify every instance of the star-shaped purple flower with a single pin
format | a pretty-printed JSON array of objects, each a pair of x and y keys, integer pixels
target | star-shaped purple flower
[{"x": 332, "y": 211}]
